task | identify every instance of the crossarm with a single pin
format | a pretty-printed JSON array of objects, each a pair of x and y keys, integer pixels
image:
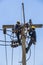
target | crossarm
[
  {"x": 35, "y": 25},
  {"x": 6, "y": 27},
  {"x": 38, "y": 25}
]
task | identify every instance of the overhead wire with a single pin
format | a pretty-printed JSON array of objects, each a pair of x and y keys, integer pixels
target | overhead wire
[
  {"x": 34, "y": 55},
  {"x": 12, "y": 53},
  {"x": 5, "y": 45},
  {"x": 4, "y": 41},
  {"x": 6, "y": 50},
  {"x": 10, "y": 35},
  {"x": 6, "y": 30},
  {"x": 12, "y": 57}
]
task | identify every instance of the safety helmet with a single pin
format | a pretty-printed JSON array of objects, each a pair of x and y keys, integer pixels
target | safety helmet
[
  {"x": 33, "y": 26},
  {"x": 18, "y": 22},
  {"x": 30, "y": 21}
]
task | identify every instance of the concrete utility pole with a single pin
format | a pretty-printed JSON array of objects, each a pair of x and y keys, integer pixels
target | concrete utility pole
[
  {"x": 23, "y": 49},
  {"x": 23, "y": 39}
]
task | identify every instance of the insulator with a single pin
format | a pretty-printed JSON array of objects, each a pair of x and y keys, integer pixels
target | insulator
[{"x": 4, "y": 30}]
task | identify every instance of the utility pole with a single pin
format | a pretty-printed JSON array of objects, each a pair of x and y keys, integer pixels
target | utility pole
[
  {"x": 23, "y": 49},
  {"x": 23, "y": 39}
]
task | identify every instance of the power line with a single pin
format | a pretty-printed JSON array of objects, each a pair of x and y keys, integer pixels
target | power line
[
  {"x": 6, "y": 50},
  {"x": 12, "y": 51},
  {"x": 12, "y": 57},
  {"x": 5, "y": 41},
  {"x": 6, "y": 30},
  {"x": 34, "y": 55},
  {"x": 5, "y": 45}
]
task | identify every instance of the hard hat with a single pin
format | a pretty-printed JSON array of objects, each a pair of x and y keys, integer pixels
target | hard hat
[
  {"x": 18, "y": 22},
  {"x": 33, "y": 26},
  {"x": 30, "y": 21}
]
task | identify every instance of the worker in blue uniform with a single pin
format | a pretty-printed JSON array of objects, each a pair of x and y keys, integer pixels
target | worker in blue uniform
[
  {"x": 18, "y": 31},
  {"x": 32, "y": 34}
]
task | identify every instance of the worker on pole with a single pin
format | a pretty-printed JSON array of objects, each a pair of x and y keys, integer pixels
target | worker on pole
[
  {"x": 32, "y": 34},
  {"x": 17, "y": 27}
]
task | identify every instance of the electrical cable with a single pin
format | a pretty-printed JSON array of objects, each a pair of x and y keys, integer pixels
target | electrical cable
[
  {"x": 5, "y": 45},
  {"x": 6, "y": 50},
  {"x": 6, "y": 30},
  {"x": 34, "y": 55},
  {"x": 12, "y": 57},
  {"x": 12, "y": 53},
  {"x": 5, "y": 41},
  {"x": 11, "y": 36}
]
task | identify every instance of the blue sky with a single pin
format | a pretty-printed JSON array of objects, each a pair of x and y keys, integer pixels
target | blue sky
[{"x": 10, "y": 12}]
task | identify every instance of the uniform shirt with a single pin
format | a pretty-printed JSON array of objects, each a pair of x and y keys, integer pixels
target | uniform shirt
[
  {"x": 32, "y": 33},
  {"x": 17, "y": 27}
]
